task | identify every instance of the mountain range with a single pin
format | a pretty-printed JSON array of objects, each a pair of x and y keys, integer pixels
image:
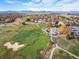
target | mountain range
[{"x": 41, "y": 12}]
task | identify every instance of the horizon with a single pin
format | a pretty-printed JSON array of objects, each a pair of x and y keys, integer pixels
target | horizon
[{"x": 38, "y": 11}]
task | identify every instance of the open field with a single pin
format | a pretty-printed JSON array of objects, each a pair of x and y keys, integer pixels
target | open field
[
  {"x": 71, "y": 46},
  {"x": 34, "y": 39},
  {"x": 30, "y": 35}
]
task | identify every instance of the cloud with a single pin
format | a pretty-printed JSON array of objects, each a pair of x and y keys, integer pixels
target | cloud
[
  {"x": 41, "y": 3},
  {"x": 31, "y": 4},
  {"x": 39, "y": 9},
  {"x": 70, "y": 7},
  {"x": 62, "y": 2},
  {"x": 65, "y": 7},
  {"x": 67, "y": 1},
  {"x": 47, "y": 5},
  {"x": 36, "y": 1}
]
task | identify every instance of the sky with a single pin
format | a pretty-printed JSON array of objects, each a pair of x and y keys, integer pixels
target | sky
[{"x": 39, "y": 5}]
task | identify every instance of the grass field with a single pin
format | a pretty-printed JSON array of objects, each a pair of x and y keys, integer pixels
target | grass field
[
  {"x": 70, "y": 45},
  {"x": 30, "y": 35},
  {"x": 62, "y": 55},
  {"x": 75, "y": 49},
  {"x": 34, "y": 39}
]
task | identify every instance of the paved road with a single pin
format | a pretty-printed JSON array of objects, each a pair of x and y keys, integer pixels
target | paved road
[
  {"x": 52, "y": 52},
  {"x": 58, "y": 47}
]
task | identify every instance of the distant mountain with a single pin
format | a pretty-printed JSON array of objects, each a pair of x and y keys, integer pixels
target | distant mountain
[{"x": 47, "y": 12}]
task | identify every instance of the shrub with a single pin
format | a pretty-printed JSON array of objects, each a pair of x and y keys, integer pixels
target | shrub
[
  {"x": 69, "y": 37},
  {"x": 24, "y": 23}
]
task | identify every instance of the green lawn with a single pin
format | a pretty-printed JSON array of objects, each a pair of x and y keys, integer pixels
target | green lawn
[
  {"x": 74, "y": 49},
  {"x": 70, "y": 45},
  {"x": 62, "y": 55},
  {"x": 30, "y": 35}
]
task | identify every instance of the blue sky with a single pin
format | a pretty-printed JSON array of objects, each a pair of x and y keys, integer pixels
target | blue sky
[{"x": 39, "y": 5}]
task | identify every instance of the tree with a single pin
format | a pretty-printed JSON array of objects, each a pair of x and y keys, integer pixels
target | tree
[
  {"x": 70, "y": 36},
  {"x": 49, "y": 24},
  {"x": 56, "y": 23},
  {"x": 63, "y": 29}
]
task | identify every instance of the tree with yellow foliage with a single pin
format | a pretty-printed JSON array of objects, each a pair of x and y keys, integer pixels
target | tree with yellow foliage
[
  {"x": 63, "y": 29},
  {"x": 49, "y": 24}
]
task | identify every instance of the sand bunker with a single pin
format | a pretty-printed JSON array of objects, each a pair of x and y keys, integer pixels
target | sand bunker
[
  {"x": 8, "y": 45},
  {"x": 15, "y": 47}
]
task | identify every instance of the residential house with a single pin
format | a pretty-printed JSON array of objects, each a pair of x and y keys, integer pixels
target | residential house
[{"x": 75, "y": 30}]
